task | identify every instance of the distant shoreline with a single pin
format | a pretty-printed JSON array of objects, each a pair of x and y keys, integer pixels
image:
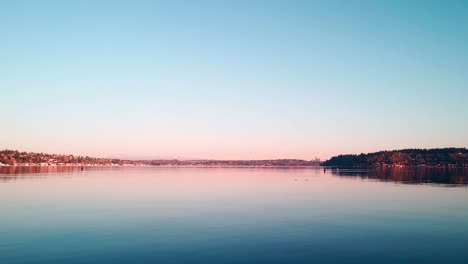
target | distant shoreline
[
  {"x": 408, "y": 158},
  {"x": 150, "y": 166},
  {"x": 227, "y": 166},
  {"x": 14, "y": 157},
  {"x": 440, "y": 157}
]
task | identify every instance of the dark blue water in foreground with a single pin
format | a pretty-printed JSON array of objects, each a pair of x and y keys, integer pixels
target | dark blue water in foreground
[{"x": 233, "y": 215}]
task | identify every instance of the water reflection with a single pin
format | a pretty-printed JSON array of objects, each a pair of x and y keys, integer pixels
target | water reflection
[
  {"x": 36, "y": 169},
  {"x": 11, "y": 170},
  {"x": 230, "y": 215},
  {"x": 417, "y": 175},
  {"x": 8, "y": 173}
]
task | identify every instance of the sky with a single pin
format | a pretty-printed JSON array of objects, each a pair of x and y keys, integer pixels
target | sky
[{"x": 232, "y": 79}]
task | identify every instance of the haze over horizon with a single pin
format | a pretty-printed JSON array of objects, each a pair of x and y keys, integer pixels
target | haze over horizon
[{"x": 239, "y": 80}]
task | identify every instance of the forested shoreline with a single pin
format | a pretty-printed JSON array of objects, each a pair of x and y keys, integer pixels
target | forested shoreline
[{"x": 451, "y": 157}]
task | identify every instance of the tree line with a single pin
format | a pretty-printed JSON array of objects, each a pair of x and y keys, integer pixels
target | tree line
[{"x": 405, "y": 157}]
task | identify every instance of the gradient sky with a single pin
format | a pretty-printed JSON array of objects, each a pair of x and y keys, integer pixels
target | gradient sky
[{"x": 232, "y": 79}]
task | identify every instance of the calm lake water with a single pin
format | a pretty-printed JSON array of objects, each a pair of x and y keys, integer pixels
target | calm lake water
[{"x": 233, "y": 215}]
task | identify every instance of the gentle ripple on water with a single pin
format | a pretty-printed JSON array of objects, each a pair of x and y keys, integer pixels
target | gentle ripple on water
[{"x": 233, "y": 215}]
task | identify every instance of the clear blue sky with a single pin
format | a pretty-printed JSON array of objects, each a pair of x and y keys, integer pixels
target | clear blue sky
[{"x": 232, "y": 79}]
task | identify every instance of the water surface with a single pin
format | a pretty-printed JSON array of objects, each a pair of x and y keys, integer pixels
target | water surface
[{"x": 233, "y": 215}]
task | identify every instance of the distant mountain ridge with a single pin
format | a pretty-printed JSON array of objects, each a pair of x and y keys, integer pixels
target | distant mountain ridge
[{"x": 457, "y": 157}]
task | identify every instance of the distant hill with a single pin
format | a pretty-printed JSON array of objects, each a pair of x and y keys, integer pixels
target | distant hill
[{"x": 406, "y": 157}]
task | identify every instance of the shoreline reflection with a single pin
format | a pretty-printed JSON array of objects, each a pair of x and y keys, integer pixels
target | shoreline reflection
[{"x": 415, "y": 175}]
